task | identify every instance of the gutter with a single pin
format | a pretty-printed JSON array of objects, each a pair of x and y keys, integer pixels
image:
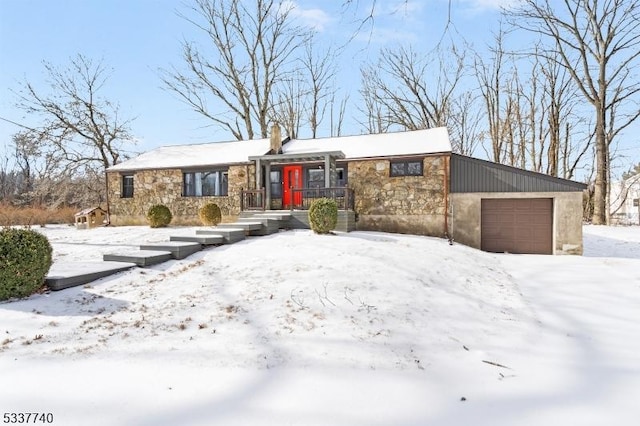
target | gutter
[{"x": 447, "y": 164}]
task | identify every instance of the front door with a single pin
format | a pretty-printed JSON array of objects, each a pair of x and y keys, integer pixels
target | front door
[{"x": 292, "y": 178}]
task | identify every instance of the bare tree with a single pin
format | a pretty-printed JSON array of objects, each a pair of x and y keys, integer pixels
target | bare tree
[
  {"x": 402, "y": 90},
  {"x": 289, "y": 104},
  {"x": 493, "y": 85},
  {"x": 598, "y": 43},
  {"x": 321, "y": 70},
  {"x": 465, "y": 122},
  {"x": 337, "y": 114},
  {"x": 78, "y": 121},
  {"x": 231, "y": 81},
  {"x": 303, "y": 98},
  {"x": 375, "y": 114}
]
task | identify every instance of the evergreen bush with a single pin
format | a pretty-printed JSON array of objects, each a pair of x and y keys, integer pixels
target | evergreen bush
[
  {"x": 210, "y": 214},
  {"x": 323, "y": 215},
  {"x": 159, "y": 216},
  {"x": 25, "y": 259}
]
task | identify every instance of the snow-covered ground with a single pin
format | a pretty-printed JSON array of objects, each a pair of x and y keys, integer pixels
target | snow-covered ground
[{"x": 350, "y": 329}]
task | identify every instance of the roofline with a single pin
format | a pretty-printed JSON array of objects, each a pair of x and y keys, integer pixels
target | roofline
[
  {"x": 419, "y": 154},
  {"x": 573, "y": 183},
  {"x": 142, "y": 169},
  {"x": 295, "y": 155}
]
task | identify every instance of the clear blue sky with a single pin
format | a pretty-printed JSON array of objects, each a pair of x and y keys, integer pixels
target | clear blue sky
[{"x": 138, "y": 37}]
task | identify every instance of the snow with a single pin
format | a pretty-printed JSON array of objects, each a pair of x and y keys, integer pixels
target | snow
[
  {"x": 429, "y": 141},
  {"x": 361, "y": 328},
  {"x": 222, "y": 153},
  {"x": 178, "y": 156}
]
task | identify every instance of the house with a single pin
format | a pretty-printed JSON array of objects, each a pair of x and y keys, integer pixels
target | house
[
  {"x": 406, "y": 182},
  {"x": 90, "y": 218},
  {"x": 625, "y": 205}
]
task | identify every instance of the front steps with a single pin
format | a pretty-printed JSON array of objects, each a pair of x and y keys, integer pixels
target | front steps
[
  {"x": 142, "y": 258},
  {"x": 70, "y": 274},
  {"x": 178, "y": 249}
]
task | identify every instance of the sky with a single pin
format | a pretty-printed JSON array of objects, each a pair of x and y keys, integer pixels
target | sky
[{"x": 136, "y": 39}]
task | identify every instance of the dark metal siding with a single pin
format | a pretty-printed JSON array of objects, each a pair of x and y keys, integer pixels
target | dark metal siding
[{"x": 474, "y": 175}]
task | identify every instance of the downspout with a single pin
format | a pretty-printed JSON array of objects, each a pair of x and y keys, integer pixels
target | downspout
[
  {"x": 446, "y": 197},
  {"x": 106, "y": 181}
]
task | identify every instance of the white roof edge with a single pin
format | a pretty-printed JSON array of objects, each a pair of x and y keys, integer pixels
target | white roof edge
[{"x": 392, "y": 144}]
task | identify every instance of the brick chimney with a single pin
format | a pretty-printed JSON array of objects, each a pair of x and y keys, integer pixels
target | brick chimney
[{"x": 276, "y": 139}]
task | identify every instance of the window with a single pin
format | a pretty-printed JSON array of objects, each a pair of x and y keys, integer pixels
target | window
[
  {"x": 205, "y": 184},
  {"x": 275, "y": 177},
  {"x": 341, "y": 177},
  {"x": 127, "y": 186},
  {"x": 315, "y": 177},
  {"x": 406, "y": 168}
]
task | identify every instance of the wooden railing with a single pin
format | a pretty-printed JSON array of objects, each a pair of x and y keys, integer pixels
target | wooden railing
[
  {"x": 343, "y": 196},
  {"x": 299, "y": 198},
  {"x": 252, "y": 199}
]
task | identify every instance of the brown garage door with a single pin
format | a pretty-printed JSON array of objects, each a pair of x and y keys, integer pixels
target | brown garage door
[{"x": 517, "y": 225}]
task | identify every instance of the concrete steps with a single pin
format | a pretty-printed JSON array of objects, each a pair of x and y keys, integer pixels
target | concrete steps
[
  {"x": 269, "y": 225},
  {"x": 179, "y": 249},
  {"x": 205, "y": 240},
  {"x": 70, "y": 274},
  {"x": 230, "y": 235},
  {"x": 142, "y": 258}
]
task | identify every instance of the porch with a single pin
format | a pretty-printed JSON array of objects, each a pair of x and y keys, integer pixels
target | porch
[
  {"x": 299, "y": 219},
  {"x": 297, "y": 199},
  {"x": 293, "y": 181}
]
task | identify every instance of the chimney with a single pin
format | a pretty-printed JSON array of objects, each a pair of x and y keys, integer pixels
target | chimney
[{"x": 276, "y": 139}]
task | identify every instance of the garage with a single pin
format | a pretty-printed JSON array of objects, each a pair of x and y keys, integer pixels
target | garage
[
  {"x": 499, "y": 208},
  {"x": 517, "y": 225}
]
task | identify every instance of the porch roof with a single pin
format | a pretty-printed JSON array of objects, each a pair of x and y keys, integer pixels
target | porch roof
[{"x": 298, "y": 157}]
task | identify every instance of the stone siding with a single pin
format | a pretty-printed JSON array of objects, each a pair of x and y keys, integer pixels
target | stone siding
[
  {"x": 404, "y": 204},
  {"x": 165, "y": 187}
]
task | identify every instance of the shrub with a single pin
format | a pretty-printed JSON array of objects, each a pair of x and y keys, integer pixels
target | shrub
[
  {"x": 323, "y": 215},
  {"x": 159, "y": 216},
  {"x": 210, "y": 214},
  {"x": 25, "y": 259}
]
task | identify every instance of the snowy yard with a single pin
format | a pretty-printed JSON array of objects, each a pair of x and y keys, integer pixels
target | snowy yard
[{"x": 351, "y": 329}]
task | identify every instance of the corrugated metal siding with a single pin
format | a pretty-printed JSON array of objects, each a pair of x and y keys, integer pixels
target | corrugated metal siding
[{"x": 474, "y": 175}]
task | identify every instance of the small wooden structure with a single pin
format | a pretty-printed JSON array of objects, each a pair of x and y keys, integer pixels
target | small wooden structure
[{"x": 90, "y": 218}]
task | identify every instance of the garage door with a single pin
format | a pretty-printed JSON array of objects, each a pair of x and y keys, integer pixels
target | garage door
[{"x": 517, "y": 225}]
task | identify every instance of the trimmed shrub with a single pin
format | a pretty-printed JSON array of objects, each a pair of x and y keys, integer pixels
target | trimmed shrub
[
  {"x": 25, "y": 259},
  {"x": 210, "y": 214},
  {"x": 159, "y": 216},
  {"x": 323, "y": 215}
]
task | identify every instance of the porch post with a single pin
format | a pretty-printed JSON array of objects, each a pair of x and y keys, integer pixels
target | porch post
[
  {"x": 327, "y": 171},
  {"x": 258, "y": 174},
  {"x": 267, "y": 185}
]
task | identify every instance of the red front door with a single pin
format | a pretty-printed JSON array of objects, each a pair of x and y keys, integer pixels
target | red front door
[{"x": 292, "y": 178}]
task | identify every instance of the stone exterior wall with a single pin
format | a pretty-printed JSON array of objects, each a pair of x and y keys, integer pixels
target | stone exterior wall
[
  {"x": 165, "y": 187},
  {"x": 406, "y": 204},
  {"x": 466, "y": 215}
]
